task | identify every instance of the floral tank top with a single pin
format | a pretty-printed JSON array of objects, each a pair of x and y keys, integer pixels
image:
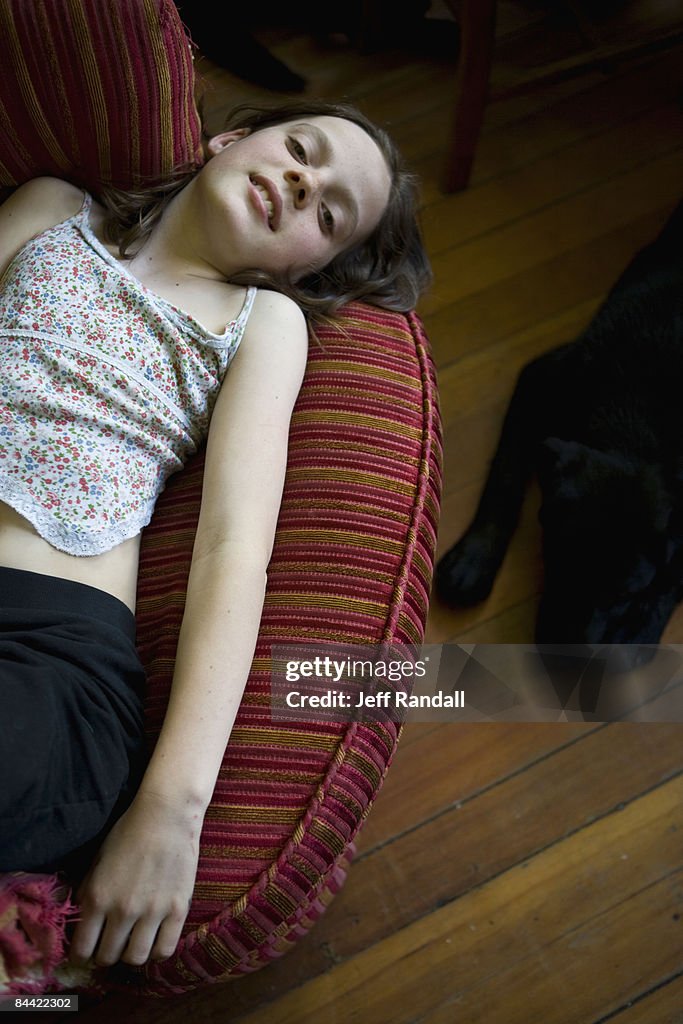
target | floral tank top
[{"x": 106, "y": 389}]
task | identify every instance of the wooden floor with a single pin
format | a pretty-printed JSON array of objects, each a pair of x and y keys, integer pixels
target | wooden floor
[{"x": 508, "y": 874}]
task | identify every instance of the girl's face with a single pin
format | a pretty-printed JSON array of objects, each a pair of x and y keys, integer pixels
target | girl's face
[{"x": 291, "y": 197}]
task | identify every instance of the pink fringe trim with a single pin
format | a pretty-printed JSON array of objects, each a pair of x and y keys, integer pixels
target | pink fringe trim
[{"x": 34, "y": 910}]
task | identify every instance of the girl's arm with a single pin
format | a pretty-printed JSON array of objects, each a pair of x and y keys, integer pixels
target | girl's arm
[{"x": 136, "y": 896}]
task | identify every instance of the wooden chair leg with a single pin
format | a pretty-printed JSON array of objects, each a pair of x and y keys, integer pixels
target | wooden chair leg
[{"x": 477, "y": 37}]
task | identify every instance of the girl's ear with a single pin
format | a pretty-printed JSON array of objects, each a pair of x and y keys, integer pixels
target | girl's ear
[{"x": 217, "y": 143}]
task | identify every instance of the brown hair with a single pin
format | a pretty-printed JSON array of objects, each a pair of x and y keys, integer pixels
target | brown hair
[{"x": 389, "y": 269}]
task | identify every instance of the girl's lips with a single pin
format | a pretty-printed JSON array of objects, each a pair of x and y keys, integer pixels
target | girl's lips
[{"x": 257, "y": 199}]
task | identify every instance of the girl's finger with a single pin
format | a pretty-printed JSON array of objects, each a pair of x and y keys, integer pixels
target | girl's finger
[
  {"x": 85, "y": 937},
  {"x": 116, "y": 936},
  {"x": 168, "y": 938},
  {"x": 140, "y": 942}
]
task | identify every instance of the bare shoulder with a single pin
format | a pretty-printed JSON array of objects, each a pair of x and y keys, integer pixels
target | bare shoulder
[
  {"x": 277, "y": 311},
  {"x": 43, "y": 202},
  {"x": 274, "y": 347},
  {"x": 276, "y": 336},
  {"x": 37, "y": 205}
]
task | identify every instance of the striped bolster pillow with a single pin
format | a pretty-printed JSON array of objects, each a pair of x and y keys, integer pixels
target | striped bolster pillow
[{"x": 95, "y": 91}]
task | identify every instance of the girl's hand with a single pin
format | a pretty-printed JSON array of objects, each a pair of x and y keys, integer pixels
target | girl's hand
[{"x": 135, "y": 898}]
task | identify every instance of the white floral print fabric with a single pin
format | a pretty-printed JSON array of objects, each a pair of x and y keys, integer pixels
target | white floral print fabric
[{"x": 106, "y": 389}]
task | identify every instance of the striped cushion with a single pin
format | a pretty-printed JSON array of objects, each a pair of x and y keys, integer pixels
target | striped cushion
[
  {"x": 352, "y": 563},
  {"x": 95, "y": 91}
]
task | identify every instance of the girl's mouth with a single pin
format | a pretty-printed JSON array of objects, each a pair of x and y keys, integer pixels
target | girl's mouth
[{"x": 267, "y": 198}]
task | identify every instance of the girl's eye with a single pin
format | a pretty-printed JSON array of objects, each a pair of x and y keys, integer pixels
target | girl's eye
[
  {"x": 298, "y": 150},
  {"x": 328, "y": 219}
]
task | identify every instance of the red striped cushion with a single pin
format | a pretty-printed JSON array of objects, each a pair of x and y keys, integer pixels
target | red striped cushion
[
  {"x": 95, "y": 91},
  {"x": 352, "y": 563}
]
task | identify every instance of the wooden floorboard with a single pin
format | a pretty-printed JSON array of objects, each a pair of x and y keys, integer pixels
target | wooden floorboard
[
  {"x": 508, "y": 873},
  {"x": 480, "y": 958}
]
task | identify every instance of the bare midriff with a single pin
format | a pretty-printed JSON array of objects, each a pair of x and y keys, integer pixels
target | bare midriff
[{"x": 114, "y": 571}]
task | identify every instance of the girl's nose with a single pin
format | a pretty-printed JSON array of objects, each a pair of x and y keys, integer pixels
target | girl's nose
[{"x": 303, "y": 186}]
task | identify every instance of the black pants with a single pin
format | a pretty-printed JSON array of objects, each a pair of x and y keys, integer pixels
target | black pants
[{"x": 72, "y": 745}]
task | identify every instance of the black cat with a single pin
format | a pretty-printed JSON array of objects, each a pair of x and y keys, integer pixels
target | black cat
[{"x": 600, "y": 421}]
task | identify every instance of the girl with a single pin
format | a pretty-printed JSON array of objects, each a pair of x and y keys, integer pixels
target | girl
[{"x": 114, "y": 359}]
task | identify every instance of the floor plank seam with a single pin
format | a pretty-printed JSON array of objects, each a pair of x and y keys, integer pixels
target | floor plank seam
[
  {"x": 456, "y": 805},
  {"x": 560, "y": 198},
  {"x": 639, "y": 999}
]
